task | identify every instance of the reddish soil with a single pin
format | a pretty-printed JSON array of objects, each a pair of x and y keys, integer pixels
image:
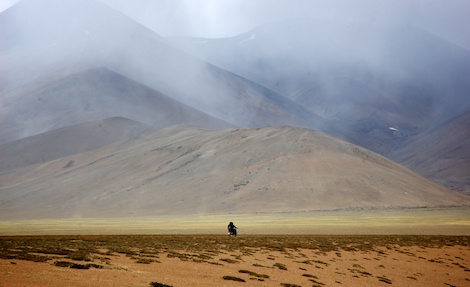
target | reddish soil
[{"x": 397, "y": 265}]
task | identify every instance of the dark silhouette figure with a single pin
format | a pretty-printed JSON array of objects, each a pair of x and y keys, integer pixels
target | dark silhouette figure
[{"x": 232, "y": 229}]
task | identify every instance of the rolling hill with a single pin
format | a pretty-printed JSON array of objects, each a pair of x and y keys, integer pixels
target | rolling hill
[
  {"x": 67, "y": 141},
  {"x": 184, "y": 170}
]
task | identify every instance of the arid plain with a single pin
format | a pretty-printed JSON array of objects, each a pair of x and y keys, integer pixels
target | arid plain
[{"x": 249, "y": 260}]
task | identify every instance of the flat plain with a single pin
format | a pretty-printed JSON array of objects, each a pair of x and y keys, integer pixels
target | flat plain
[
  {"x": 408, "y": 247},
  {"x": 248, "y": 260}
]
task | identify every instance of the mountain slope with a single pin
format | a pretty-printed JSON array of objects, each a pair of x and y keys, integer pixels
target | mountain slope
[
  {"x": 442, "y": 153},
  {"x": 43, "y": 45},
  {"x": 361, "y": 78},
  {"x": 92, "y": 95},
  {"x": 190, "y": 171},
  {"x": 67, "y": 141}
]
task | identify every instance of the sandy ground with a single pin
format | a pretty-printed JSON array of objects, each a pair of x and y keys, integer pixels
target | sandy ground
[{"x": 395, "y": 265}]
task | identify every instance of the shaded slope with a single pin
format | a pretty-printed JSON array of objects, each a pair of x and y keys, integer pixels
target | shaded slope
[
  {"x": 190, "y": 171},
  {"x": 67, "y": 141},
  {"x": 361, "y": 78},
  {"x": 442, "y": 153},
  {"x": 76, "y": 36},
  {"x": 92, "y": 95}
]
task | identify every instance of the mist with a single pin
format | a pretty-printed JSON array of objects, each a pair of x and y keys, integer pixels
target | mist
[
  {"x": 217, "y": 19},
  {"x": 325, "y": 65}
]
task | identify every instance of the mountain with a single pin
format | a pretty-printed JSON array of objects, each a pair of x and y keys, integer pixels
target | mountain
[
  {"x": 92, "y": 95},
  {"x": 442, "y": 153},
  {"x": 67, "y": 141},
  {"x": 183, "y": 170},
  {"x": 46, "y": 46},
  {"x": 363, "y": 79}
]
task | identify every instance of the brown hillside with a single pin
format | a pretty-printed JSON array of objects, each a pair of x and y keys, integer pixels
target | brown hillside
[
  {"x": 67, "y": 141},
  {"x": 441, "y": 154},
  {"x": 192, "y": 171}
]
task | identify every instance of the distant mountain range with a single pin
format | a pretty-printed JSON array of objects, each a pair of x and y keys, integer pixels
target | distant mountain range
[
  {"x": 97, "y": 111},
  {"x": 378, "y": 85},
  {"x": 41, "y": 49},
  {"x": 361, "y": 78}
]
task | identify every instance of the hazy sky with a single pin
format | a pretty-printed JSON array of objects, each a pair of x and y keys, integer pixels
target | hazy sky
[{"x": 220, "y": 18}]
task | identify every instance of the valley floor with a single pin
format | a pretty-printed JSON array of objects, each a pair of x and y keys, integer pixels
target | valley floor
[{"x": 424, "y": 221}]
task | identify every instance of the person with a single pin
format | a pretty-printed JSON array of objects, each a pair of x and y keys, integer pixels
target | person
[{"x": 232, "y": 229}]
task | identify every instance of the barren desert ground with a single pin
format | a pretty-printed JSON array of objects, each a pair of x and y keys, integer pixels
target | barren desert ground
[{"x": 249, "y": 260}]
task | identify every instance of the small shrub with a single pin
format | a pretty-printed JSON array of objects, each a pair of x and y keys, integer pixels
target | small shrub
[
  {"x": 63, "y": 264},
  {"x": 76, "y": 266},
  {"x": 79, "y": 266},
  {"x": 384, "y": 279},
  {"x": 280, "y": 266},
  {"x": 251, "y": 273},
  {"x": 233, "y": 278},
  {"x": 145, "y": 261},
  {"x": 228, "y": 260},
  {"x": 310, "y": 276},
  {"x": 156, "y": 284}
]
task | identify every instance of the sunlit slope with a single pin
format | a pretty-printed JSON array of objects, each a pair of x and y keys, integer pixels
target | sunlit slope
[{"x": 193, "y": 171}]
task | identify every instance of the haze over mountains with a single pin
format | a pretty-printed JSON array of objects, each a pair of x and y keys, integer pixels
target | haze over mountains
[
  {"x": 36, "y": 49},
  {"x": 379, "y": 85},
  {"x": 365, "y": 78},
  {"x": 95, "y": 112}
]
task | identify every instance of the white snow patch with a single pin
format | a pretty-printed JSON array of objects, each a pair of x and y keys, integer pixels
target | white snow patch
[{"x": 252, "y": 36}]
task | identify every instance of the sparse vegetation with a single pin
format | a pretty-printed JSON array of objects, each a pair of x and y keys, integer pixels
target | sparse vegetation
[
  {"x": 76, "y": 265},
  {"x": 280, "y": 266},
  {"x": 233, "y": 278},
  {"x": 156, "y": 284},
  {"x": 251, "y": 273},
  {"x": 305, "y": 252},
  {"x": 384, "y": 279},
  {"x": 310, "y": 276},
  {"x": 145, "y": 261}
]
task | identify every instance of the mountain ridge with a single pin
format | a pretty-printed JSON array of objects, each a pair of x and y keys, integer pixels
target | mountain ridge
[
  {"x": 92, "y": 95},
  {"x": 87, "y": 40}
]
